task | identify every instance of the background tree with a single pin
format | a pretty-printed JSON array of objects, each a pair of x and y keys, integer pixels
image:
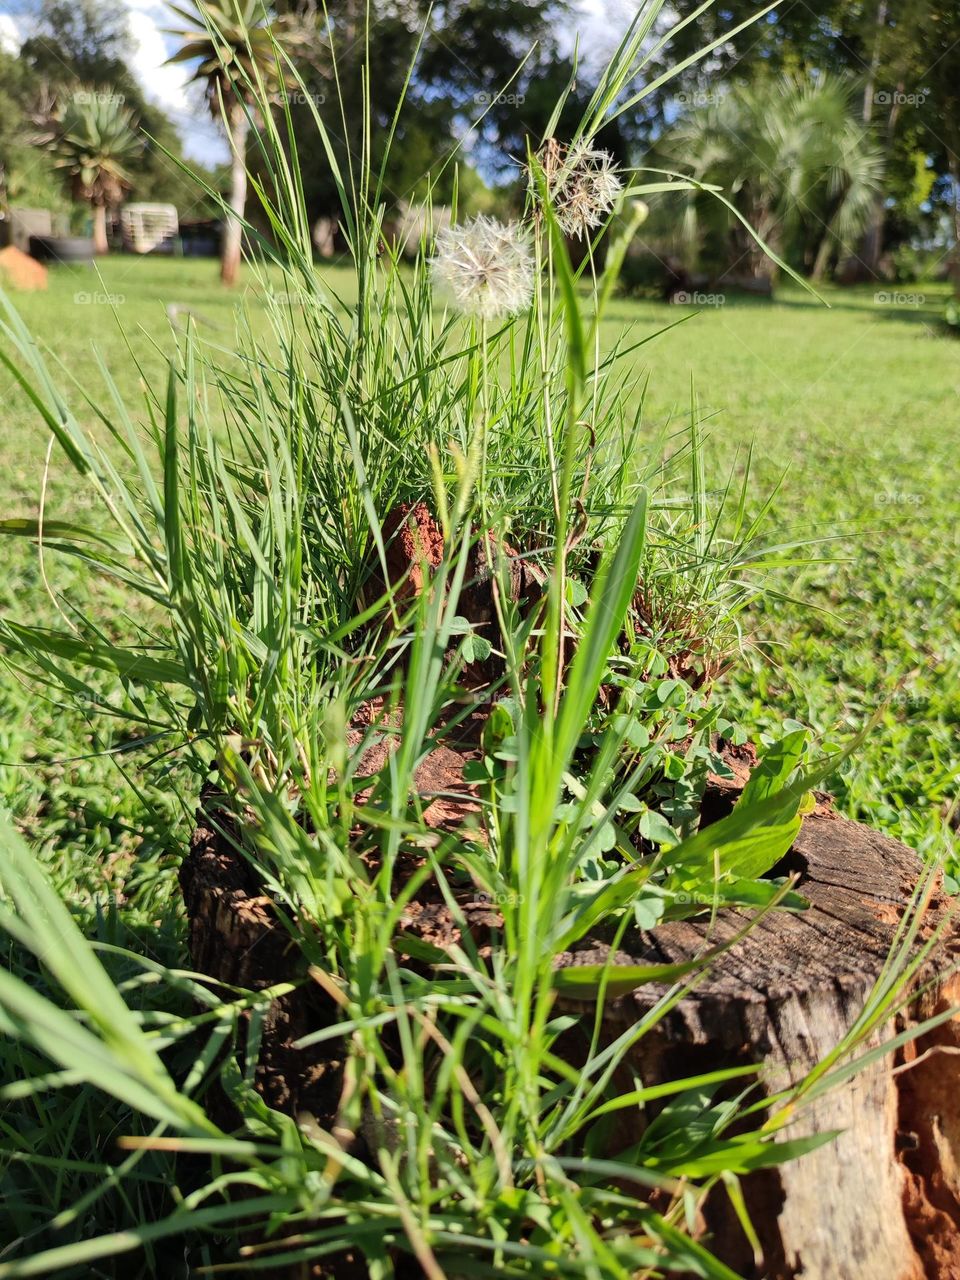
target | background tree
[
  {"x": 340, "y": 67},
  {"x": 77, "y": 41},
  {"x": 27, "y": 175},
  {"x": 923, "y": 45},
  {"x": 816, "y": 36},
  {"x": 95, "y": 143},
  {"x": 900, "y": 62},
  {"x": 906, "y": 57},
  {"x": 795, "y": 160},
  {"x": 69, "y": 46},
  {"x": 469, "y": 53},
  {"x": 231, "y": 42}
]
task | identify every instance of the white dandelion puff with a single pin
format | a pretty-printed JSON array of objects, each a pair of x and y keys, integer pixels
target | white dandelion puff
[
  {"x": 485, "y": 266},
  {"x": 583, "y": 184}
]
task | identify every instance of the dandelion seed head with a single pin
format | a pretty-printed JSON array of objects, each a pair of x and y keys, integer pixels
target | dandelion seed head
[
  {"x": 583, "y": 183},
  {"x": 485, "y": 266}
]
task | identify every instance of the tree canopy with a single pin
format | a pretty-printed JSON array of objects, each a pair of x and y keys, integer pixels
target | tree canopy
[{"x": 480, "y": 79}]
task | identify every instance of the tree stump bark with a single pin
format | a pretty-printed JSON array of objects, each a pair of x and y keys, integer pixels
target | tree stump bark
[
  {"x": 236, "y": 938},
  {"x": 881, "y": 1201}
]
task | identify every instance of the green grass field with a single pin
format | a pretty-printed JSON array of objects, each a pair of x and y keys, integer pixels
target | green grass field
[{"x": 855, "y": 408}]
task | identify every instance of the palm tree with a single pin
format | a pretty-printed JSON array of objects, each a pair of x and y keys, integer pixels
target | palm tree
[
  {"x": 794, "y": 159},
  {"x": 232, "y": 42},
  {"x": 94, "y": 141},
  {"x": 853, "y": 189}
]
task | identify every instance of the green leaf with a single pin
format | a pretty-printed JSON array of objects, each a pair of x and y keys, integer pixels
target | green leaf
[
  {"x": 694, "y": 1257},
  {"x": 733, "y": 893},
  {"x": 743, "y": 1156},
  {"x": 747, "y": 857},
  {"x": 699, "y": 852},
  {"x": 774, "y": 770},
  {"x": 476, "y": 648},
  {"x": 586, "y": 980},
  {"x": 567, "y": 283},
  {"x": 128, "y": 664},
  {"x": 176, "y": 560},
  {"x": 115, "y": 1055},
  {"x": 654, "y": 827},
  {"x": 55, "y": 530},
  {"x": 604, "y": 902},
  {"x": 609, "y": 601}
]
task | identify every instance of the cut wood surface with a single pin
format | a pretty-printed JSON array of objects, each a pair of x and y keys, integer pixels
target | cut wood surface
[{"x": 880, "y": 1201}]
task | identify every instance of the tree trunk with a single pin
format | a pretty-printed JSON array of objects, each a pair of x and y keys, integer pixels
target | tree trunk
[
  {"x": 870, "y": 84},
  {"x": 824, "y": 250},
  {"x": 100, "y": 244},
  {"x": 953, "y": 161},
  {"x": 873, "y": 238},
  {"x": 865, "y": 263},
  {"x": 238, "y": 130},
  {"x": 822, "y": 260}
]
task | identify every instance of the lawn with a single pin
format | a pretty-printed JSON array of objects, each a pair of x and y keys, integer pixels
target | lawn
[{"x": 853, "y": 406}]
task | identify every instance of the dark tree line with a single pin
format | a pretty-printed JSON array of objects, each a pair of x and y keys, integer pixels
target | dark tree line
[
  {"x": 903, "y": 57},
  {"x": 486, "y": 74}
]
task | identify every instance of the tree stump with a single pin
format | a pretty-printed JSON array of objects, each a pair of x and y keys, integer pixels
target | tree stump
[
  {"x": 236, "y": 938},
  {"x": 881, "y": 1201}
]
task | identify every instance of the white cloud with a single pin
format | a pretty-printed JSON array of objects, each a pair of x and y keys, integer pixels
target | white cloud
[{"x": 9, "y": 34}]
